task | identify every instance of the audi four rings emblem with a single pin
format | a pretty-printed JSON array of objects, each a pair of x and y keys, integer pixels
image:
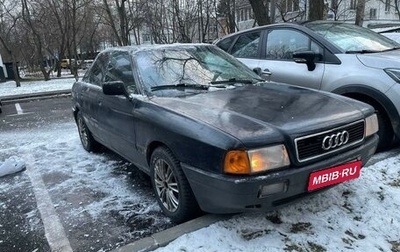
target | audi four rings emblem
[{"x": 335, "y": 140}]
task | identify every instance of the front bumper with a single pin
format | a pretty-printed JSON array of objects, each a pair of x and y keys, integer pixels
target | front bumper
[{"x": 219, "y": 193}]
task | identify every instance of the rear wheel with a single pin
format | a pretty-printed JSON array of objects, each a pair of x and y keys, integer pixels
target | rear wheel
[
  {"x": 173, "y": 192},
  {"x": 87, "y": 140}
]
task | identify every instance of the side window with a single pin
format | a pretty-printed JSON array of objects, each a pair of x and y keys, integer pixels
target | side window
[
  {"x": 120, "y": 69},
  {"x": 281, "y": 44},
  {"x": 96, "y": 73},
  {"x": 246, "y": 46},
  {"x": 226, "y": 43}
]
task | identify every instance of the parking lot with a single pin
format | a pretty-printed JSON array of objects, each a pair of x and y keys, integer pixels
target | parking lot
[{"x": 67, "y": 199}]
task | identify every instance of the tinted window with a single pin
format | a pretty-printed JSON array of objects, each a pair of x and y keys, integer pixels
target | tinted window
[
  {"x": 120, "y": 69},
  {"x": 95, "y": 74},
  {"x": 281, "y": 44},
  {"x": 246, "y": 45}
]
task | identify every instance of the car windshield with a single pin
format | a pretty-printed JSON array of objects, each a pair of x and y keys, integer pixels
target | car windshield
[
  {"x": 176, "y": 71},
  {"x": 352, "y": 38}
]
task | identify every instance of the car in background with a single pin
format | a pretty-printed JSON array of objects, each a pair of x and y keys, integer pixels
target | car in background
[
  {"x": 332, "y": 56},
  {"x": 85, "y": 64},
  {"x": 214, "y": 136},
  {"x": 395, "y": 36},
  {"x": 65, "y": 63}
]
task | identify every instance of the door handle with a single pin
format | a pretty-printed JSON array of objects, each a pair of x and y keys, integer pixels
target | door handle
[{"x": 266, "y": 72}]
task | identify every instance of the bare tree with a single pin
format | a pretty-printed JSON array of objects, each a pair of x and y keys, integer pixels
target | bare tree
[
  {"x": 316, "y": 10},
  {"x": 289, "y": 10},
  {"x": 33, "y": 23},
  {"x": 261, "y": 11},
  {"x": 226, "y": 8},
  {"x": 395, "y": 4},
  {"x": 335, "y": 9},
  {"x": 119, "y": 22},
  {"x": 360, "y": 12},
  {"x": 7, "y": 29}
]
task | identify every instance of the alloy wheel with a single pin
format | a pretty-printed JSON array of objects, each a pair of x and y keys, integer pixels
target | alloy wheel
[{"x": 166, "y": 185}]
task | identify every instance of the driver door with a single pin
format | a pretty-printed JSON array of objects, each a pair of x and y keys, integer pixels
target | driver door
[
  {"x": 277, "y": 58},
  {"x": 117, "y": 110}
]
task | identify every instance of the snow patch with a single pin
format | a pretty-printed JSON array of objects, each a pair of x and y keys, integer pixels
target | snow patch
[{"x": 11, "y": 165}]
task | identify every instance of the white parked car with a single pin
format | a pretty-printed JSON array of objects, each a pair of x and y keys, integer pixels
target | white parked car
[{"x": 337, "y": 57}]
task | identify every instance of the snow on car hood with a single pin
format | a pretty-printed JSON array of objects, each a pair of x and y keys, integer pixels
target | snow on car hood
[
  {"x": 252, "y": 112},
  {"x": 381, "y": 60}
]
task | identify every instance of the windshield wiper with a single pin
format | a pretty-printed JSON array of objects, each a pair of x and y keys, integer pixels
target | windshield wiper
[
  {"x": 391, "y": 49},
  {"x": 233, "y": 81},
  {"x": 181, "y": 86},
  {"x": 362, "y": 51}
]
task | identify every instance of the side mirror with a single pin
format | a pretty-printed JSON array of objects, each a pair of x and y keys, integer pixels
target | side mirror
[
  {"x": 115, "y": 88},
  {"x": 306, "y": 57},
  {"x": 257, "y": 70}
]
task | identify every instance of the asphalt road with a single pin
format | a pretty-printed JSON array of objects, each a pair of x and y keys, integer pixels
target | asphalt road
[
  {"x": 35, "y": 113},
  {"x": 37, "y": 214}
]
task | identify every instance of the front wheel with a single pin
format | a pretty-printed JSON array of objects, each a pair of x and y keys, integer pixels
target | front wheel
[
  {"x": 385, "y": 131},
  {"x": 172, "y": 190}
]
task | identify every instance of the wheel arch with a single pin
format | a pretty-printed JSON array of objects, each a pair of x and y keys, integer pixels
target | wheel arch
[
  {"x": 373, "y": 97},
  {"x": 154, "y": 145},
  {"x": 75, "y": 110}
]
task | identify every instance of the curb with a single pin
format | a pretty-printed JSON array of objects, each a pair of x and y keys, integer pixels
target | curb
[
  {"x": 163, "y": 238},
  {"x": 29, "y": 96}
]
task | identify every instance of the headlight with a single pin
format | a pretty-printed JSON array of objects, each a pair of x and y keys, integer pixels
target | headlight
[
  {"x": 394, "y": 73},
  {"x": 255, "y": 161},
  {"x": 371, "y": 125}
]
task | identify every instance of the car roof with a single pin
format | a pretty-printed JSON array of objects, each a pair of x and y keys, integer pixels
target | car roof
[
  {"x": 146, "y": 47},
  {"x": 292, "y": 24},
  {"x": 300, "y": 25}
]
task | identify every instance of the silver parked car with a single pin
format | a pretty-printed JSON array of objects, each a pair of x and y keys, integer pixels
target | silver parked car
[{"x": 337, "y": 57}]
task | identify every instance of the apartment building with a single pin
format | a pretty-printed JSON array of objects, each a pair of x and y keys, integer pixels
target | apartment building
[{"x": 377, "y": 13}]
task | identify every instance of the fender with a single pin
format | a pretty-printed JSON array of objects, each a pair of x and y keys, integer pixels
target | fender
[{"x": 371, "y": 94}]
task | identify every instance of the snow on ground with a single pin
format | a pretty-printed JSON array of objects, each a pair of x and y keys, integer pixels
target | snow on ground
[
  {"x": 100, "y": 202},
  {"x": 359, "y": 215},
  {"x": 11, "y": 165},
  {"x": 27, "y": 87}
]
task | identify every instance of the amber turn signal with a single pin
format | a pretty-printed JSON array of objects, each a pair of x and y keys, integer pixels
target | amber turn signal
[{"x": 237, "y": 162}]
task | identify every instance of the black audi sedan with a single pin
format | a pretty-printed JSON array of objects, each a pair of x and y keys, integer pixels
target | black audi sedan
[{"x": 212, "y": 135}]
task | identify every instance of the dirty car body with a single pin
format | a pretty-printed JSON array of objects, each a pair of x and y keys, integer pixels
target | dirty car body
[{"x": 212, "y": 135}]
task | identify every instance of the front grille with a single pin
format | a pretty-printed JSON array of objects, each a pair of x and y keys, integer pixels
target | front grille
[{"x": 310, "y": 147}]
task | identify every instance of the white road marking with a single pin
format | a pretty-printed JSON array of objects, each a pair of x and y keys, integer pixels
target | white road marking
[
  {"x": 19, "y": 109},
  {"x": 54, "y": 230}
]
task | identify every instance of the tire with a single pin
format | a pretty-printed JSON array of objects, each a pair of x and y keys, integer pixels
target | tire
[
  {"x": 87, "y": 140},
  {"x": 172, "y": 190},
  {"x": 385, "y": 132}
]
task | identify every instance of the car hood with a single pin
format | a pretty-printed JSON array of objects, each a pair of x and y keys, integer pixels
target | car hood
[
  {"x": 272, "y": 111},
  {"x": 381, "y": 60}
]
